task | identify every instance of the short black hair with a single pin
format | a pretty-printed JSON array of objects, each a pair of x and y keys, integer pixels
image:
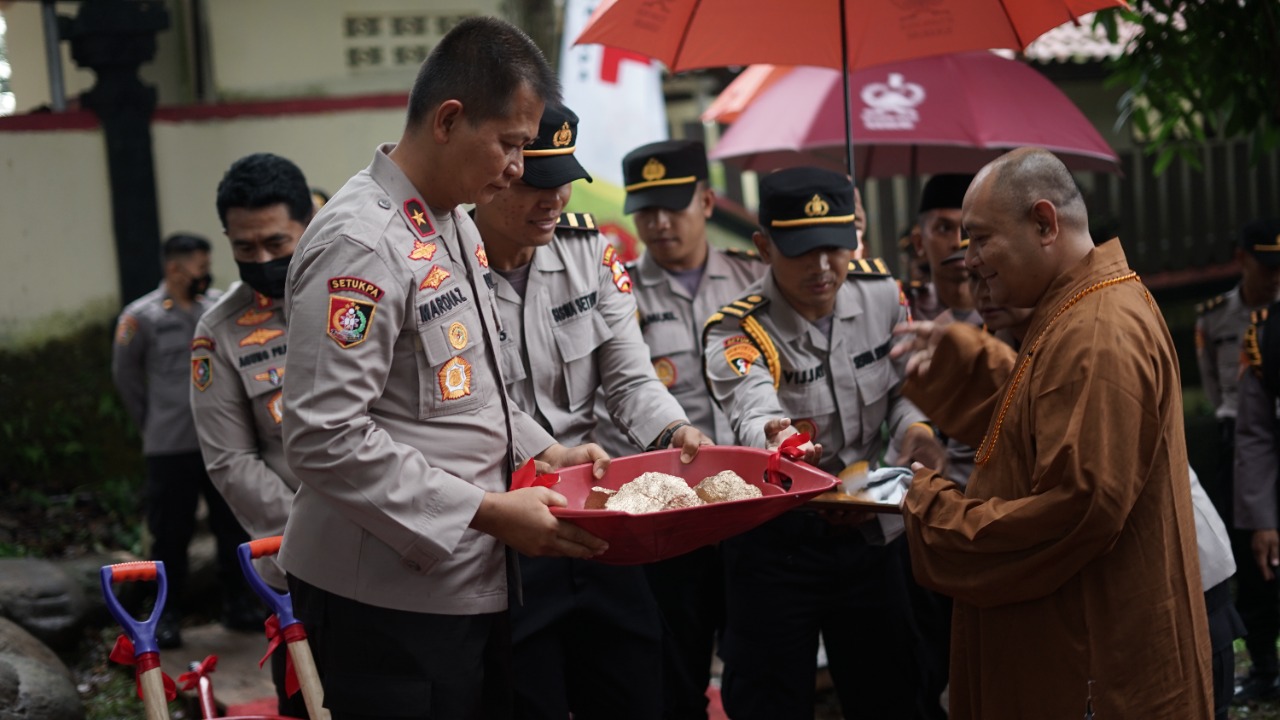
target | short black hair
[
  {"x": 179, "y": 245},
  {"x": 262, "y": 180},
  {"x": 481, "y": 62}
]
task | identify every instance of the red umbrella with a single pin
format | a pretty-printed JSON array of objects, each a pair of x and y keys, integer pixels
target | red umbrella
[
  {"x": 949, "y": 113},
  {"x": 851, "y": 34}
]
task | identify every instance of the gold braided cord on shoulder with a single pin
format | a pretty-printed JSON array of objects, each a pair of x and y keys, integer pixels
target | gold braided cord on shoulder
[
  {"x": 761, "y": 338},
  {"x": 1250, "y": 352}
]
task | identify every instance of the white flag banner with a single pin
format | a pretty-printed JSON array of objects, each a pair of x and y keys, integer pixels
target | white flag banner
[{"x": 617, "y": 95}]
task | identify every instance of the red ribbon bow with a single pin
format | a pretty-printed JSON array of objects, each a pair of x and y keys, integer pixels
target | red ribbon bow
[
  {"x": 188, "y": 680},
  {"x": 293, "y": 633},
  {"x": 527, "y": 476},
  {"x": 123, "y": 654},
  {"x": 790, "y": 448}
]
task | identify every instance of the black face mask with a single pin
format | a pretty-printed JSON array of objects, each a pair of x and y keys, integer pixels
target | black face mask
[
  {"x": 199, "y": 285},
  {"x": 267, "y": 278}
]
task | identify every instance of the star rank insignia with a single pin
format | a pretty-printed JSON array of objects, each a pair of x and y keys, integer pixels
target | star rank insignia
[
  {"x": 419, "y": 218},
  {"x": 435, "y": 276},
  {"x": 422, "y": 250},
  {"x": 201, "y": 372},
  {"x": 261, "y": 336}
]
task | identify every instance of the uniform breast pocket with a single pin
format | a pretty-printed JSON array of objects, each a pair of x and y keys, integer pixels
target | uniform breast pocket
[
  {"x": 264, "y": 388},
  {"x": 577, "y": 342},
  {"x": 448, "y": 381},
  {"x": 875, "y": 381},
  {"x": 669, "y": 338},
  {"x": 173, "y": 349}
]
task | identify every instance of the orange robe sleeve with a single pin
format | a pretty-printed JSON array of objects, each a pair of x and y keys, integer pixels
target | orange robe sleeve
[
  {"x": 1082, "y": 439},
  {"x": 961, "y": 392}
]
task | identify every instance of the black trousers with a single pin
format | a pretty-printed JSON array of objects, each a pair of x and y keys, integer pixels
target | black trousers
[
  {"x": 689, "y": 590},
  {"x": 1224, "y": 628},
  {"x": 1256, "y": 598},
  {"x": 379, "y": 663},
  {"x": 587, "y": 641},
  {"x": 175, "y": 484},
  {"x": 793, "y": 578}
]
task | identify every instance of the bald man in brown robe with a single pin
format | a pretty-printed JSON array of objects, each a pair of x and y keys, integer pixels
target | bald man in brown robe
[{"x": 1072, "y": 554}]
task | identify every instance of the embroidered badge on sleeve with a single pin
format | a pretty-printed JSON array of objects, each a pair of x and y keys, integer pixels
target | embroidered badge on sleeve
[
  {"x": 349, "y": 320},
  {"x": 201, "y": 372},
  {"x": 740, "y": 353},
  {"x": 621, "y": 279}
]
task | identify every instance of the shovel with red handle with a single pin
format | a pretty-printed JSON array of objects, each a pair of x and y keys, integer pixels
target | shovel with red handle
[
  {"x": 140, "y": 635},
  {"x": 288, "y": 626}
]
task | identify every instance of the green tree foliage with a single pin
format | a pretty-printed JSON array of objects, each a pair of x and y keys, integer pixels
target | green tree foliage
[{"x": 1200, "y": 70}]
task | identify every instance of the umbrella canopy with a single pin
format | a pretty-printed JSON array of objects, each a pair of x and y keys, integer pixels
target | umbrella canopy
[
  {"x": 949, "y": 113},
  {"x": 845, "y": 34},
  {"x": 689, "y": 34}
]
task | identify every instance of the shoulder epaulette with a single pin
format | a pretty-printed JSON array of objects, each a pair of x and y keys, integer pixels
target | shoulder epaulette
[
  {"x": 1210, "y": 304},
  {"x": 742, "y": 254},
  {"x": 742, "y": 309},
  {"x": 872, "y": 267},
  {"x": 577, "y": 221}
]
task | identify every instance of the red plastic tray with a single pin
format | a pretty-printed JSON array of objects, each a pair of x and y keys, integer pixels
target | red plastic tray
[{"x": 637, "y": 539}]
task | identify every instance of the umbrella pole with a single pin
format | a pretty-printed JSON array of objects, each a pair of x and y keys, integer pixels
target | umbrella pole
[{"x": 844, "y": 76}]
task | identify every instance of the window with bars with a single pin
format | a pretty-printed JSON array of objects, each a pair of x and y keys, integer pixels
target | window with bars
[{"x": 392, "y": 41}]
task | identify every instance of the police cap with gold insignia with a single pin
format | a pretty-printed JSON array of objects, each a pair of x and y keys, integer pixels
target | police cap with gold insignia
[
  {"x": 1262, "y": 238},
  {"x": 663, "y": 174},
  {"x": 807, "y": 208},
  {"x": 944, "y": 191},
  {"x": 549, "y": 161}
]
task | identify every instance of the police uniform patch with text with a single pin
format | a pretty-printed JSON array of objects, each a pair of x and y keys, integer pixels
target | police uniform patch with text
[
  {"x": 275, "y": 406},
  {"x": 611, "y": 260},
  {"x": 261, "y": 336},
  {"x": 356, "y": 285},
  {"x": 274, "y": 375},
  {"x": 740, "y": 353},
  {"x": 252, "y": 317},
  {"x": 126, "y": 329},
  {"x": 422, "y": 250},
  {"x": 349, "y": 320},
  {"x": 458, "y": 336},
  {"x": 201, "y": 372},
  {"x": 419, "y": 218},
  {"x": 665, "y": 370},
  {"x": 203, "y": 343},
  {"x": 455, "y": 379},
  {"x": 435, "y": 277}
]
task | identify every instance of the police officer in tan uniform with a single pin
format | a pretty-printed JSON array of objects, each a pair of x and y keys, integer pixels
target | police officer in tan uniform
[
  {"x": 806, "y": 344},
  {"x": 677, "y": 283},
  {"x": 1220, "y": 327},
  {"x": 151, "y": 366},
  {"x": 587, "y": 639},
  {"x": 237, "y": 395},
  {"x": 397, "y": 422}
]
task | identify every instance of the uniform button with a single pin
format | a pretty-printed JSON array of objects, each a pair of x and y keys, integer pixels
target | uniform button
[
  {"x": 384, "y": 203},
  {"x": 412, "y": 565}
]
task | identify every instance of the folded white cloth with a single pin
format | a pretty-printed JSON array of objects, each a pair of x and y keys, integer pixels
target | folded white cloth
[{"x": 888, "y": 486}]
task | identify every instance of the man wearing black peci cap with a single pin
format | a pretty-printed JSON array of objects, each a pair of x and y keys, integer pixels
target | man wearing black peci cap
[
  {"x": 1220, "y": 328},
  {"x": 940, "y": 242},
  {"x": 806, "y": 347},
  {"x": 587, "y": 638},
  {"x": 679, "y": 281}
]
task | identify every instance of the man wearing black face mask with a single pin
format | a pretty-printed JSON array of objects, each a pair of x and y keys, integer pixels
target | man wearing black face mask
[
  {"x": 264, "y": 204},
  {"x": 150, "y": 366}
]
